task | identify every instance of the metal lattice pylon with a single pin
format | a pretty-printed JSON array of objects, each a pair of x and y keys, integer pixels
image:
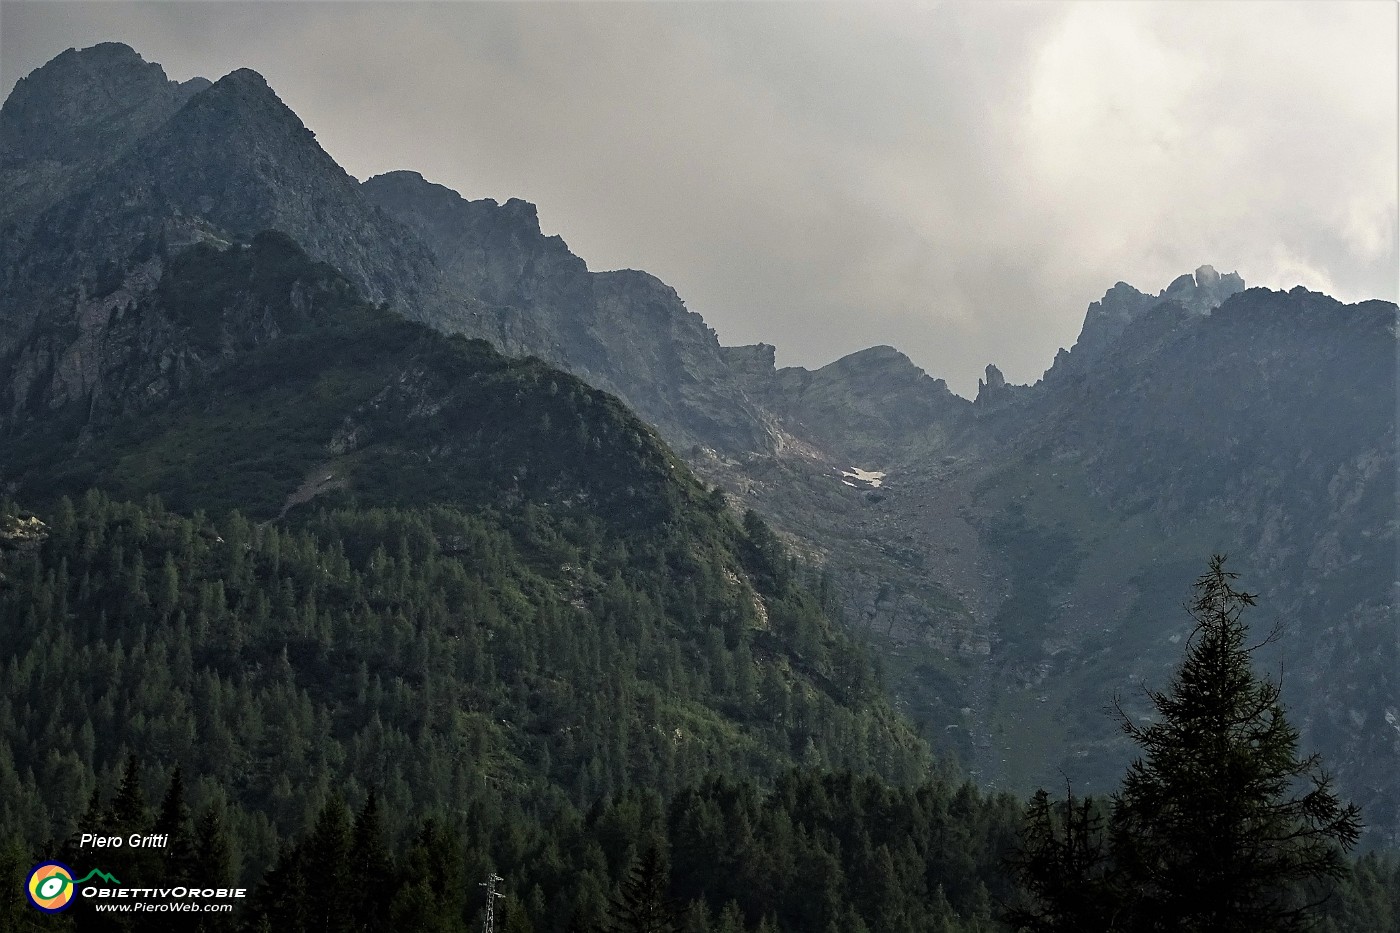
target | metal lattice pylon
[{"x": 490, "y": 885}]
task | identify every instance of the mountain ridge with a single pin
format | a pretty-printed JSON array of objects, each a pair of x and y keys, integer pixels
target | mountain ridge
[{"x": 998, "y": 525}]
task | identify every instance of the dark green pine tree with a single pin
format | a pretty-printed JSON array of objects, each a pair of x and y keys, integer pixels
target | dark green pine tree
[
  {"x": 1220, "y": 824},
  {"x": 93, "y": 819},
  {"x": 129, "y": 812},
  {"x": 171, "y": 864},
  {"x": 16, "y": 916},
  {"x": 1064, "y": 869},
  {"x": 371, "y": 869},
  {"x": 514, "y": 918},
  {"x": 174, "y": 822},
  {"x": 731, "y": 919},
  {"x": 326, "y": 855},
  {"x": 281, "y": 903},
  {"x": 431, "y": 893},
  {"x": 643, "y": 904},
  {"x": 213, "y": 860},
  {"x": 212, "y": 864}
]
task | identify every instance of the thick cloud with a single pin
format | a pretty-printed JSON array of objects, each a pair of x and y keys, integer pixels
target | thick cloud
[{"x": 957, "y": 180}]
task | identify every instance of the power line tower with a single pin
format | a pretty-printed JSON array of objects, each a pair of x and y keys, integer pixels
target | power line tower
[{"x": 491, "y": 894}]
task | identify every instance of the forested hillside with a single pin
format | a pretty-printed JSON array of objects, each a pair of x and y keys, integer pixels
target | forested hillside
[
  {"x": 359, "y": 723},
  {"x": 471, "y": 601},
  {"x": 395, "y": 561}
]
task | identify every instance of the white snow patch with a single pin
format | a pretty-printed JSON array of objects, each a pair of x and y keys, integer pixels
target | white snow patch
[
  {"x": 1391, "y": 718},
  {"x": 872, "y": 478}
]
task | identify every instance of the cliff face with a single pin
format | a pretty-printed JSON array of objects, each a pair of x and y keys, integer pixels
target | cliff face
[
  {"x": 624, "y": 331},
  {"x": 866, "y": 406}
]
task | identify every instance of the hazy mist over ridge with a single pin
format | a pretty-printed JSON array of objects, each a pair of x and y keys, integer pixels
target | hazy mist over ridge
[{"x": 958, "y": 181}]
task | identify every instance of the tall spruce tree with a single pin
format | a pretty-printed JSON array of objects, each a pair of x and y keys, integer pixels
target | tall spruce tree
[
  {"x": 371, "y": 869},
  {"x": 212, "y": 864},
  {"x": 176, "y": 824},
  {"x": 644, "y": 904},
  {"x": 1219, "y": 826}
]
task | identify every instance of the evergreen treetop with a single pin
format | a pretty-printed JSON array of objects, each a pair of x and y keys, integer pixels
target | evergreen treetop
[{"x": 1219, "y": 826}]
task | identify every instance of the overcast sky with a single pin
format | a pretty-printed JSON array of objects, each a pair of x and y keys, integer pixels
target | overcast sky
[{"x": 957, "y": 180}]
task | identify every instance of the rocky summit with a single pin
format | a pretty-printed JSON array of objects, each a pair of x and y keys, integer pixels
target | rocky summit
[{"x": 1018, "y": 560}]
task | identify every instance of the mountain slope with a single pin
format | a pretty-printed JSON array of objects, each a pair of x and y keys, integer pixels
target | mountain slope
[
  {"x": 489, "y": 582},
  {"x": 1266, "y": 430},
  {"x": 1064, "y": 520}
]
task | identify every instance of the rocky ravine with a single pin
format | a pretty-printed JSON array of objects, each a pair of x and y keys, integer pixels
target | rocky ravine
[{"x": 1029, "y": 552}]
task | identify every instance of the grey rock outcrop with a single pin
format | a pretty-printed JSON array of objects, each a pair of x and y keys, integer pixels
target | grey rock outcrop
[
  {"x": 1205, "y": 291},
  {"x": 624, "y": 331},
  {"x": 84, "y": 105},
  {"x": 873, "y": 400},
  {"x": 992, "y": 389},
  {"x": 1145, "y": 318},
  {"x": 756, "y": 362}
]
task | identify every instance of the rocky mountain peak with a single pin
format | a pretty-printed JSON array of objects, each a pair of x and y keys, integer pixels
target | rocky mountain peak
[
  {"x": 1107, "y": 317},
  {"x": 523, "y": 213},
  {"x": 254, "y": 163},
  {"x": 993, "y": 387},
  {"x": 245, "y": 78},
  {"x": 197, "y": 161},
  {"x": 880, "y": 369},
  {"x": 495, "y": 254},
  {"x": 411, "y": 191},
  {"x": 86, "y": 103},
  {"x": 242, "y": 102},
  {"x": 624, "y": 331},
  {"x": 1204, "y": 291},
  {"x": 875, "y": 359},
  {"x": 1122, "y": 306},
  {"x": 887, "y": 370}
]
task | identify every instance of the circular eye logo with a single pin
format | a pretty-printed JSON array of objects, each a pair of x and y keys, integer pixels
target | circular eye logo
[{"x": 50, "y": 887}]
